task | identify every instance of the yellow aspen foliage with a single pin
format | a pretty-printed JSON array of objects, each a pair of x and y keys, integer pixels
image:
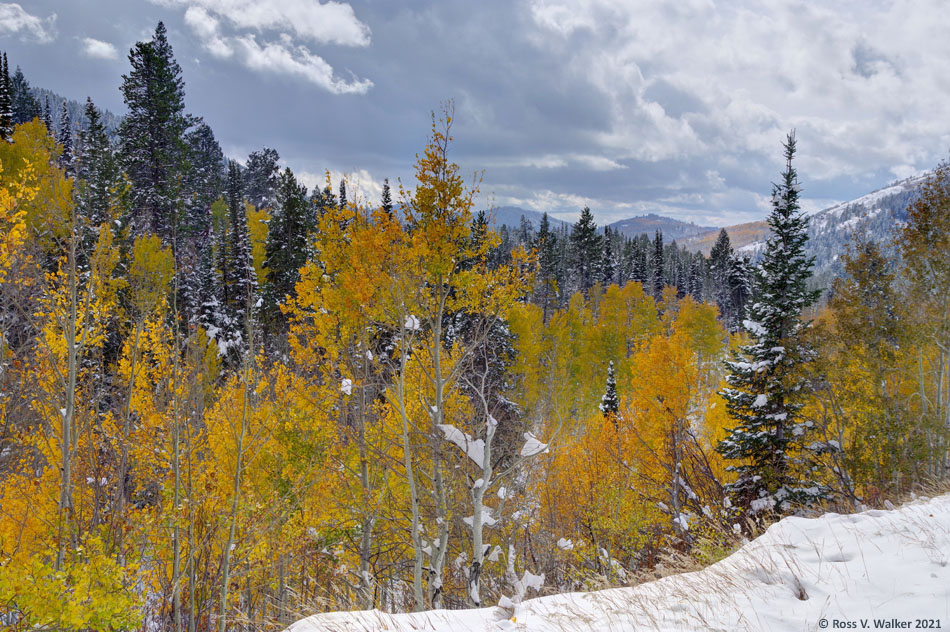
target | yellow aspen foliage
[
  {"x": 30, "y": 163},
  {"x": 13, "y": 215},
  {"x": 257, "y": 234}
]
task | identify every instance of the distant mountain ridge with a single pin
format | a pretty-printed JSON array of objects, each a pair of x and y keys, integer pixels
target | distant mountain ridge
[
  {"x": 672, "y": 229},
  {"x": 510, "y": 216}
]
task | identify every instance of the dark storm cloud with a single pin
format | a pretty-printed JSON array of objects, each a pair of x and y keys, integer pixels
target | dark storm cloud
[{"x": 630, "y": 107}]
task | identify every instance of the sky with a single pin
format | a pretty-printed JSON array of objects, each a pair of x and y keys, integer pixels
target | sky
[{"x": 628, "y": 107}]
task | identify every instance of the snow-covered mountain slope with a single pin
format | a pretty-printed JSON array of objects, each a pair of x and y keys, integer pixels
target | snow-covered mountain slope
[
  {"x": 871, "y": 570},
  {"x": 876, "y": 217}
]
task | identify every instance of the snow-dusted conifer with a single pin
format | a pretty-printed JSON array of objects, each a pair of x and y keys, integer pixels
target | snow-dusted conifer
[
  {"x": 387, "y": 198},
  {"x": 65, "y": 138},
  {"x": 609, "y": 402},
  {"x": 98, "y": 179},
  {"x": 152, "y": 135},
  {"x": 286, "y": 248},
  {"x": 343, "y": 200},
  {"x": 25, "y": 106},
  {"x": 48, "y": 117},
  {"x": 608, "y": 267},
  {"x": 657, "y": 268},
  {"x": 586, "y": 251},
  {"x": 6, "y": 102},
  {"x": 765, "y": 389}
]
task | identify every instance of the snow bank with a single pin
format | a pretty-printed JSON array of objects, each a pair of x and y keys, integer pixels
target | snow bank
[{"x": 872, "y": 570}]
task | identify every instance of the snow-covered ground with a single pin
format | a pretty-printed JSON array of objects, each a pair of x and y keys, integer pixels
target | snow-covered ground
[{"x": 871, "y": 570}]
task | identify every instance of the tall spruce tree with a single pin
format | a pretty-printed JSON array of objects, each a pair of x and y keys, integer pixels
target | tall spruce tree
[
  {"x": 204, "y": 180},
  {"x": 657, "y": 266},
  {"x": 25, "y": 107},
  {"x": 6, "y": 102},
  {"x": 387, "y": 198},
  {"x": 65, "y": 138},
  {"x": 152, "y": 134},
  {"x": 766, "y": 386},
  {"x": 260, "y": 177},
  {"x": 286, "y": 248},
  {"x": 546, "y": 289},
  {"x": 238, "y": 280},
  {"x": 609, "y": 402},
  {"x": 343, "y": 200},
  {"x": 586, "y": 251},
  {"x": 48, "y": 117},
  {"x": 720, "y": 271},
  {"x": 608, "y": 268},
  {"x": 740, "y": 288},
  {"x": 98, "y": 178}
]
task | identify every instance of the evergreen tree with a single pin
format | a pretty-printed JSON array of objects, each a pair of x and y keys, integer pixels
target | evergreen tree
[
  {"x": 260, "y": 177},
  {"x": 328, "y": 198},
  {"x": 152, "y": 136},
  {"x": 525, "y": 232},
  {"x": 545, "y": 294},
  {"x": 586, "y": 251},
  {"x": 286, "y": 249},
  {"x": 720, "y": 272},
  {"x": 238, "y": 279},
  {"x": 66, "y": 141},
  {"x": 204, "y": 180},
  {"x": 387, "y": 200},
  {"x": 48, "y": 118},
  {"x": 696, "y": 287},
  {"x": 639, "y": 265},
  {"x": 608, "y": 268},
  {"x": 765, "y": 389},
  {"x": 609, "y": 402},
  {"x": 6, "y": 102},
  {"x": 342, "y": 193},
  {"x": 99, "y": 181},
  {"x": 25, "y": 106},
  {"x": 657, "y": 267},
  {"x": 740, "y": 288}
]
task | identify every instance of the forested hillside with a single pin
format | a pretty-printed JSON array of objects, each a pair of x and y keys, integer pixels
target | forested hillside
[{"x": 228, "y": 402}]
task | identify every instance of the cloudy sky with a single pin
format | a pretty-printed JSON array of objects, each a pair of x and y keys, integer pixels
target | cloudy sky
[{"x": 630, "y": 107}]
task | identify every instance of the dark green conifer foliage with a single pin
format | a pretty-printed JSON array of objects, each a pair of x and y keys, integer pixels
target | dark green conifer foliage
[
  {"x": 657, "y": 266},
  {"x": 152, "y": 134},
  {"x": 260, "y": 177},
  {"x": 720, "y": 269},
  {"x": 387, "y": 200},
  {"x": 608, "y": 269},
  {"x": 586, "y": 251},
  {"x": 65, "y": 139},
  {"x": 610, "y": 402},
  {"x": 766, "y": 385},
  {"x": 546, "y": 286},
  {"x": 25, "y": 106},
  {"x": 286, "y": 249},
  {"x": 48, "y": 118},
  {"x": 99, "y": 184},
  {"x": 6, "y": 102}
]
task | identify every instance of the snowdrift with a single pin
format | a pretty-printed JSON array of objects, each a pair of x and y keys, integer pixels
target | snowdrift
[{"x": 871, "y": 570}]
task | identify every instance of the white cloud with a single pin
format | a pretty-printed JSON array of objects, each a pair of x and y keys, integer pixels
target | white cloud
[
  {"x": 99, "y": 49},
  {"x": 864, "y": 84},
  {"x": 331, "y": 22},
  {"x": 295, "y": 61},
  {"x": 323, "y": 23},
  {"x": 15, "y": 20},
  {"x": 206, "y": 27}
]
